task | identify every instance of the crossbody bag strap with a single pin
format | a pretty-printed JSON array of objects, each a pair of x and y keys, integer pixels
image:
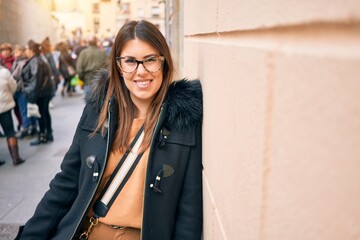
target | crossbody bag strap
[
  {"x": 119, "y": 177},
  {"x": 116, "y": 182}
]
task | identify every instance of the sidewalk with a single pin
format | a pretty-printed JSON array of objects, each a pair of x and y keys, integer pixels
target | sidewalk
[{"x": 22, "y": 187}]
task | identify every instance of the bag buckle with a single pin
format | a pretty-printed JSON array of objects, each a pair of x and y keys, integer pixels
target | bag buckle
[{"x": 93, "y": 222}]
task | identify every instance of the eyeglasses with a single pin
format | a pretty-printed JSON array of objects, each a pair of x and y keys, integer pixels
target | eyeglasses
[{"x": 129, "y": 64}]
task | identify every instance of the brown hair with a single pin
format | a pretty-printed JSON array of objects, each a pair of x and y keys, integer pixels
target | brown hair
[
  {"x": 63, "y": 48},
  {"x": 46, "y": 46},
  {"x": 33, "y": 46},
  {"x": 6, "y": 46},
  {"x": 19, "y": 47},
  {"x": 147, "y": 32}
]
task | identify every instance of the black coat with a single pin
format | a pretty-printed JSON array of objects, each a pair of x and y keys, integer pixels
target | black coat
[
  {"x": 175, "y": 213},
  {"x": 36, "y": 75}
]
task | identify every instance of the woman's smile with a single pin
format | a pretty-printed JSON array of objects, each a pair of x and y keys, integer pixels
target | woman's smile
[{"x": 143, "y": 83}]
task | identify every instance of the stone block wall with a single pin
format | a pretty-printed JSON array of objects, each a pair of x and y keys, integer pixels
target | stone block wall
[{"x": 281, "y": 132}]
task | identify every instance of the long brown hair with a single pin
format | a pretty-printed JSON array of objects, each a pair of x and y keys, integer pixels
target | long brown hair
[{"x": 147, "y": 32}]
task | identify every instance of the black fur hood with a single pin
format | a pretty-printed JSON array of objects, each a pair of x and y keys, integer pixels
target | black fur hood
[{"x": 183, "y": 103}]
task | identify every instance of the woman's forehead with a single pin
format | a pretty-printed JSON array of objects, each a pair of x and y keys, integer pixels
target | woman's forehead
[{"x": 138, "y": 48}]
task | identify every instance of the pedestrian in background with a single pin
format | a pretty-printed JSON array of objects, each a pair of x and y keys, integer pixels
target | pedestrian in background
[
  {"x": 7, "y": 103},
  {"x": 142, "y": 127},
  {"x": 8, "y": 60},
  {"x": 66, "y": 67},
  {"x": 39, "y": 88},
  {"x": 7, "y": 55},
  {"x": 28, "y": 124},
  {"x": 89, "y": 61},
  {"x": 46, "y": 51}
]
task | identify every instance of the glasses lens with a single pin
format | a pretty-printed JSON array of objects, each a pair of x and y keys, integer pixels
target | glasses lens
[
  {"x": 151, "y": 64},
  {"x": 128, "y": 64}
]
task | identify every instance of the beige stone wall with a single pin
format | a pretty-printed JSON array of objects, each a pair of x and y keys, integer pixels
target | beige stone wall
[
  {"x": 21, "y": 21},
  {"x": 281, "y": 133}
]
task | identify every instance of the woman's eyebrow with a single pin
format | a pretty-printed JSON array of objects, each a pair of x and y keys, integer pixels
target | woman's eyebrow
[
  {"x": 147, "y": 56},
  {"x": 150, "y": 55}
]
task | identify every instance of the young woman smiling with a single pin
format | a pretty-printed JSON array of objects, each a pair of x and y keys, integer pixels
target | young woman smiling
[{"x": 134, "y": 168}]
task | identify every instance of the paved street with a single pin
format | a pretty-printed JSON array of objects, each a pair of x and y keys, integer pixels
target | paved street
[{"x": 22, "y": 187}]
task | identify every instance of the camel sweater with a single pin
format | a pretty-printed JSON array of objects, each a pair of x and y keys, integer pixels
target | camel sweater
[{"x": 127, "y": 207}]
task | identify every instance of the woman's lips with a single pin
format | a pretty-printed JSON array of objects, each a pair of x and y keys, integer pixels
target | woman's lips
[{"x": 142, "y": 83}]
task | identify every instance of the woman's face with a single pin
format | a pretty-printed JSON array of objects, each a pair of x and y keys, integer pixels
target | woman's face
[
  {"x": 6, "y": 53},
  {"x": 18, "y": 53},
  {"x": 29, "y": 53},
  {"x": 142, "y": 84}
]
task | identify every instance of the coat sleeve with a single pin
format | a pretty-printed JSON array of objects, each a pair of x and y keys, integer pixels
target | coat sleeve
[
  {"x": 11, "y": 82},
  {"x": 189, "y": 218},
  {"x": 59, "y": 198},
  {"x": 31, "y": 82},
  {"x": 80, "y": 65}
]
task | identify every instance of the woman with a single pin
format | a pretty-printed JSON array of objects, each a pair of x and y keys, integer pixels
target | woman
[
  {"x": 66, "y": 67},
  {"x": 47, "y": 53},
  {"x": 7, "y": 103},
  {"x": 28, "y": 124},
  {"x": 39, "y": 88},
  {"x": 6, "y": 55},
  {"x": 8, "y": 59},
  {"x": 159, "y": 195}
]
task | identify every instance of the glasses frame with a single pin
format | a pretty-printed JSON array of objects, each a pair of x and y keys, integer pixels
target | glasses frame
[{"x": 161, "y": 58}]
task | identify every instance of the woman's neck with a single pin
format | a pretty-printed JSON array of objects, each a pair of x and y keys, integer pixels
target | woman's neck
[{"x": 141, "y": 113}]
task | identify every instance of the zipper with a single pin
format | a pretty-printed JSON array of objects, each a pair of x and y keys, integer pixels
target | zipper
[
  {"x": 102, "y": 171},
  {"x": 150, "y": 152}
]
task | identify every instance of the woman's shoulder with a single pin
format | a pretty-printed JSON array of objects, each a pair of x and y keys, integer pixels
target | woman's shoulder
[
  {"x": 4, "y": 73},
  {"x": 99, "y": 87},
  {"x": 184, "y": 104}
]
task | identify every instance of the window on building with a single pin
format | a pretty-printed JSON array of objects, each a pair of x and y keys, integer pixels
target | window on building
[
  {"x": 95, "y": 8},
  {"x": 96, "y": 22},
  {"x": 53, "y": 5},
  {"x": 140, "y": 12},
  {"x": 155, "y": 11},
  {"x": 125, "y": 8}
]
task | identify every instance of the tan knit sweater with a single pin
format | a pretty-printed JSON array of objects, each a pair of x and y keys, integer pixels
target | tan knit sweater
[{"x": 127, "y": 208}]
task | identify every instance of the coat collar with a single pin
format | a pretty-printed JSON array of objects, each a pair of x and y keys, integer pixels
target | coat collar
[{"x": 183, "y": 104}]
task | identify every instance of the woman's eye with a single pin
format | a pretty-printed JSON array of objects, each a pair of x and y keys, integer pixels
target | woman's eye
[
  {"x": 151, "y": 60},
  {"x": 130, "y": 60}
]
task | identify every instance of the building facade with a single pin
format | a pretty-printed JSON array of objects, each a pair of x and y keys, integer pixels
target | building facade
[
  {"x": 281, "y": 126},
  {"x": 21, "y": 21},
  {"x": 103, "y": 18},
  {"x": 73, "y": 19}
]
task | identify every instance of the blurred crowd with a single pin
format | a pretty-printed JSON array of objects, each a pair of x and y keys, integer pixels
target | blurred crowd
[{"x": 30, "y": 76}]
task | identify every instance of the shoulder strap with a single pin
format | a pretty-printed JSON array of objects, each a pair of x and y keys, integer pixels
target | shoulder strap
[{"x": 119, "y": 177}]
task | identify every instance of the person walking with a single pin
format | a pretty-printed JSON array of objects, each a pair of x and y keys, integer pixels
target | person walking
[
  {"x": 39, "y": 88},
  {"x": 28, "y": 124},
  {"x": 6, "y": 55},
  {"x": 8, "y": 60},
  {"x": 90, "y": 60},
  {"x": 7, "y": 103},
  {"x": 47, "y": 53},
  {"x": 134, "y": 168},
  {"x": 66, "y": 68}
]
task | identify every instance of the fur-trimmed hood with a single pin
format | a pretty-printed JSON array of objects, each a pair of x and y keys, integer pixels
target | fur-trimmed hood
[{"x": 183, "y": 104}]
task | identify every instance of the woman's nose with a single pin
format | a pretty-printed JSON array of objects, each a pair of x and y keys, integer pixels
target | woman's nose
[{"x": 141, "y": 69}]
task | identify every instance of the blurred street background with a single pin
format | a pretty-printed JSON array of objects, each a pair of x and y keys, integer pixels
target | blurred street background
[{"x": 22, "y": 187}]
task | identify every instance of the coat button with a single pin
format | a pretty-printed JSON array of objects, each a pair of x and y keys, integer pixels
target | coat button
[{"x": 90, "y": 161}]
